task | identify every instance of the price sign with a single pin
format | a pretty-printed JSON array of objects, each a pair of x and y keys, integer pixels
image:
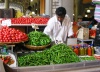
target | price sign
[
  {"x": 6, "y": 22},
  {"x": 34, "y": 26}
]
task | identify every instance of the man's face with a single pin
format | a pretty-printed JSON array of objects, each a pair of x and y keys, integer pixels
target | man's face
[{"x": 60, "y": 18}]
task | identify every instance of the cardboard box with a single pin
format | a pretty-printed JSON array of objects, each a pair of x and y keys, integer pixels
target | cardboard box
[
  {"x": 83, "y": 33},
  {"x": 71, "y": 41}
]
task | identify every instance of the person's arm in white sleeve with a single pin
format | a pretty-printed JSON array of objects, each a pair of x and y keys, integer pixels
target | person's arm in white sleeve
[
  {"x": 70, "y": 31},
  {"x": 49, "y": 29}
]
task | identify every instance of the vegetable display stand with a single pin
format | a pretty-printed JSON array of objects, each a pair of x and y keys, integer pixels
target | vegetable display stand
[
  {"x": 37, "y": 47},
  {"x": 90, "y": 66},
  {"x": 37, "y": 40},
  {"x": 87, "y": 40},
  {"x": 10, "y": 44}
]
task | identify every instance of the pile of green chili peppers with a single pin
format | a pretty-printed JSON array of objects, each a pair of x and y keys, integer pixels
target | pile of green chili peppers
[
  {"x": 37, "y": 38},
  {"x": 57, "y": 54}
]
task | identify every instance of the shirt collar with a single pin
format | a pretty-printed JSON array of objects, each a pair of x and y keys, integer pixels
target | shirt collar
[
  {"x": 55, "y": 18},
  {"x": 58, "y": 21}
]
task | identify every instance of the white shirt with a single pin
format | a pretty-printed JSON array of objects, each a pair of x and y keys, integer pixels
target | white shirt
[{"x": 59, "y": 32}]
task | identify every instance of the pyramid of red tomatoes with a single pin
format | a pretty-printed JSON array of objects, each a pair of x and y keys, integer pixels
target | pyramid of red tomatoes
[{"x": 8, "y": 34}]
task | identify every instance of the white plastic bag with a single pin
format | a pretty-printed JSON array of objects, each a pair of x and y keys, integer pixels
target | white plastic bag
[{"x": 13, "y": 57}]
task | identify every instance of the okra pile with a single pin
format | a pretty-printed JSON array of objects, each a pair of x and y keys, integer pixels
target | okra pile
[
  {"x": 37, "y": 38},
  {"x": 57, "y": 54}
]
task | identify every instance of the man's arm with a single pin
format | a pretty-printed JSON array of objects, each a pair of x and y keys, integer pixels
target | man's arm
[
  {"x": 49, "y": 28},
  {"x": 70, "y": 31}
]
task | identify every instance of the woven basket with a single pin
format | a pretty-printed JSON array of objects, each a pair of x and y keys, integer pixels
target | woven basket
[
  {"x": 10, "y": 43},
  {"x": 37, "y": 47},
  {"x": 7, "y": 43}
]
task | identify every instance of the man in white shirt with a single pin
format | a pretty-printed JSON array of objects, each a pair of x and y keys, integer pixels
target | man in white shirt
[
  {"x": 59, "y": 26},
  {"x": 80, "y": 19}
]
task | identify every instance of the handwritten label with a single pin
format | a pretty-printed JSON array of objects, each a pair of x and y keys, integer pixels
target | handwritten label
[{"x": 6, "y": 22}]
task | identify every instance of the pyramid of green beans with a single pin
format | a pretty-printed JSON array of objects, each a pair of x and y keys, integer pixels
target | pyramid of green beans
[{"x": 57, "y": 54}]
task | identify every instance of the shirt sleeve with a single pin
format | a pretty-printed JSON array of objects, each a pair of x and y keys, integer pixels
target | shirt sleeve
[
  {"x": 49, "y": 29},
  {"x": 70, "y": 31}
]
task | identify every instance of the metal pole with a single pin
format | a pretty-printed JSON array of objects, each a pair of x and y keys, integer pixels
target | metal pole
[
  {"x": 48, "y": 7},
  {"x": 76, "y": 9},
  {"x": 6, "y": 4}
]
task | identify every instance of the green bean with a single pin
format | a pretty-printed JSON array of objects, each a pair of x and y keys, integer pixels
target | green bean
[{"x": 57, "y": 54}]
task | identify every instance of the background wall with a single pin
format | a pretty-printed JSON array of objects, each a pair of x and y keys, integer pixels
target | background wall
[
  {"x": 68, "y": 4},
  {"x": 12, "y": 5},
  {"x": 51, "y": 6}
]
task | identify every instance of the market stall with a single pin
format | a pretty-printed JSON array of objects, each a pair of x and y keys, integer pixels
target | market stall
[
  {"x": 34, "y": 48},
  {"x": 37, "y": 40},
  {"x": 24, "y": 23}
]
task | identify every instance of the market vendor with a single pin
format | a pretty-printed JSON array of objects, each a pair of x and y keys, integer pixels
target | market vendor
[
  {"x": 28, "y": 11},
  {"x": 59, "y": 27},
  {"x": 79, "y": 21}
]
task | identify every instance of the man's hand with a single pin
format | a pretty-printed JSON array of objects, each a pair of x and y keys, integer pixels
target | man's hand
[
  {"x": 58, "y": 42},
  {"x": 71, "y": 36}
]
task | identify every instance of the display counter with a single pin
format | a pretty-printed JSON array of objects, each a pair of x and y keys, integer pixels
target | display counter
[
  {"x": 52, "y": 67},
  {"x": 24, "y": 24},
  {"x": 27, "y": 27},
  {"x": 90, "y": 66},
  {"x": 86, "y": 40}
]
